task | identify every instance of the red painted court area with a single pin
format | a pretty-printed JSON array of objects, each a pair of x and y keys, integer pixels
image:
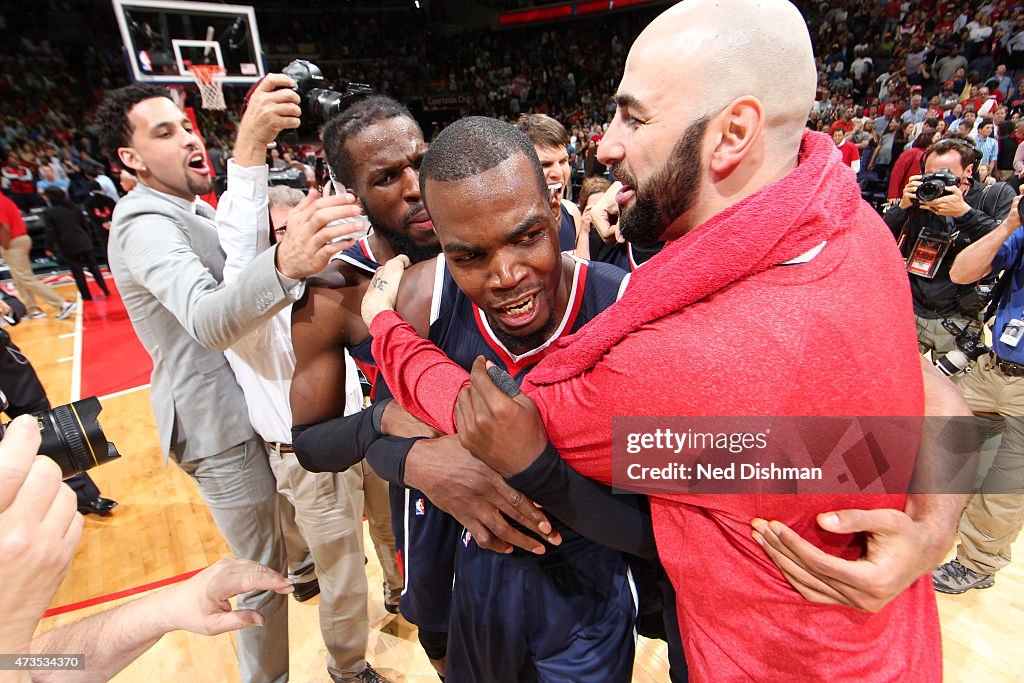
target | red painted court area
[{"x": 113, "y": 359}]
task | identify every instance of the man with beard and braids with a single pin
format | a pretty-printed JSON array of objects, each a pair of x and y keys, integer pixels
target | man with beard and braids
[
  {"x": 374, "y": 149},
  {"x": 768, "y": 243}
]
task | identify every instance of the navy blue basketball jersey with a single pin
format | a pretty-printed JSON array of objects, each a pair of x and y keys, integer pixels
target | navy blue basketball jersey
[
  {"x": 361, "y": 257},
  {"x": 462, "y": 331},
  {"x": 582, "y": 593},
  {"x": 566, "y": 231},
  {"x": 627, "y": 256}
]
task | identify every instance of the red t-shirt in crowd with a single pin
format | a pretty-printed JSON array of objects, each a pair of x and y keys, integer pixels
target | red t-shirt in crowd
[
  {"x": 841, "y": 124},
  {"x": 10, "y": 215},
  {"x": 850, "y": 152},
  {"x": 21, "y": 178}
]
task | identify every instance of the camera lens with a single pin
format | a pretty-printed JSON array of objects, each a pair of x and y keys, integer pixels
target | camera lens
[
  {"x": 73, "y": 438},
  {"x": 930, "y": 190},
  {"x": 952, "y": 363},
  {"x": 324, "y": 104}
]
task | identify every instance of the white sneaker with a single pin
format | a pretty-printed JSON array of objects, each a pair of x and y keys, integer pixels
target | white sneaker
[
  {"x": 65, "y": 310},
  {"x": 36, "y": 314}
]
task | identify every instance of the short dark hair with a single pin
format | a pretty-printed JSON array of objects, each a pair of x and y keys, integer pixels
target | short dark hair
[
  {"x": 473, "y": 145},
  {"x": 115, "y": 130},
  {"x": 56, "y": 196},
  {"x": 543, "y": 130},
  {"x": 986, "y": 122},
  {"x": 923, "y": 140},
  {"x": 963, "y": 146},
  {"x": 353, "y": 121}
]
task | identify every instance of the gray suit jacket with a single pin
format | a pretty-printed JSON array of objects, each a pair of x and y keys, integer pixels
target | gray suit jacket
[{"x": 168, "y": 265}]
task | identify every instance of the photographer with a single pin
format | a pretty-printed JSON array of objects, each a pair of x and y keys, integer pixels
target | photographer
[
  {"x": 40, "y": 531},
  {"x": 25, "y": 394},
  {"x": 994, "y": 516},
  {"x": 933, "y": 223},
  {"x": 166, "y": 260},
  {"x": 321, "y": 513}
]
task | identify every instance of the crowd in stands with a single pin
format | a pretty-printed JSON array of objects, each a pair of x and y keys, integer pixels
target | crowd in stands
[
  {"x": 888, "y": 73},
  {"x": 894, "y": 77}
]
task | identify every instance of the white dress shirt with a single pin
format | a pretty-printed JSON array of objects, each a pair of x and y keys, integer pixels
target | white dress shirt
[{"x": 263, "y": 360}]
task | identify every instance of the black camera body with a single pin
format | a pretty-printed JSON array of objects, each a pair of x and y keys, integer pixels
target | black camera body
[
  {"x": 72, "y": 436},
  {"x": 933, "y": 185},
  {"x": 289, "y": 177},
  {"x": 969, "y": 348},
  {"x": 318, "y": 100}
]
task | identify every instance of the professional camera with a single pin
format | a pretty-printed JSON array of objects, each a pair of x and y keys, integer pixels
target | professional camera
[
  {"x": 933, "y": 185},
  {"x": 969, "y": 347},
  {"x": 71, "y": 435},
  {"x": 289, "y": 177},
  {"x": 318, "y": 101}
]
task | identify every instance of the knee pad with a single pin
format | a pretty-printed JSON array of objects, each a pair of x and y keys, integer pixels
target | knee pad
[{"x": 434, "y": 643}]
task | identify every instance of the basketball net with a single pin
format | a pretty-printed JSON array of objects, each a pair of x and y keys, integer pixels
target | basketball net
[{"x": 209, "y": 78}]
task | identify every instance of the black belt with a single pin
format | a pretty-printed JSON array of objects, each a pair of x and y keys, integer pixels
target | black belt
[
  {"x": 281, "y": 447},
  {"x": 1008, "y": 367}
]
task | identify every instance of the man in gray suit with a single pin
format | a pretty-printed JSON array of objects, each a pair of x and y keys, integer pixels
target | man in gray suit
[{"x": 167, "y": 263}]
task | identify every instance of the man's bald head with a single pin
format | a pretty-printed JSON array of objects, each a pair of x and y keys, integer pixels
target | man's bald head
[
  {"x": 685, "y": 151},
  {"x": 758, "y": 48}
]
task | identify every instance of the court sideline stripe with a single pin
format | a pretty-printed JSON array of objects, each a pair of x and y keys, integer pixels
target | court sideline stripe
[
  {"x": 76, "y": 364},
  {"x": 128, "y": 592},
  {"x": 123, "y": 392}
]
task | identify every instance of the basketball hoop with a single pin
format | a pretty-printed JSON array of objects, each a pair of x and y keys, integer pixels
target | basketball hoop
[{"x": 208, "y": 78}]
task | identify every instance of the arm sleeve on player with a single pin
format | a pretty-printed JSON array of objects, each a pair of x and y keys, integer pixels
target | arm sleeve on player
[
  {"x": 334, "y": 445},
  {"x": 387, "y": 457},
  {"x": 422, "y": 379},
  {"x": 619, "y": 521}
]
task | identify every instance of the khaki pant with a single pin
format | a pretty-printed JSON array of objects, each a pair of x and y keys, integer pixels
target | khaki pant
[
  {"x": 932, "y": 336},
  {"x": 378, "y": 517},
  {"x": 238, "y": 487},
  {"x": 328, "y": 511},
  {"x": 994, "y": 516},
  {"x": 16, "y": 257}
]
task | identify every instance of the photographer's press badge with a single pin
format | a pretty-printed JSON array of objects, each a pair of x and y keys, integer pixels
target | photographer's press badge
[
  {"x": 1012, "y": 333},
  {"x": 926, "y": 257}
]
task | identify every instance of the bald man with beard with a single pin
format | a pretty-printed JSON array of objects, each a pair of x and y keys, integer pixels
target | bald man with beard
[{"x": 779, "y": 293}]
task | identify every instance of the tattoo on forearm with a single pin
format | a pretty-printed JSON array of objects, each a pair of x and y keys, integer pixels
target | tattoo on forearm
[{"x": 378, "y": 283}]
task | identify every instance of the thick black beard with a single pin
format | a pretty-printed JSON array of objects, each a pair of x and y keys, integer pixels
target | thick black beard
[
  {"x": 670, "y": 193},
  {"x": 401, "y": 243}
]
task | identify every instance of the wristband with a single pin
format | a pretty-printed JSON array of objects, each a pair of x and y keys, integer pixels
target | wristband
[{"x": 378, "y": 414}]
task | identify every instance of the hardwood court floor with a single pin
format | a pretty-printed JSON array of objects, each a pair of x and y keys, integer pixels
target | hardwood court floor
[{"x": 162, "y": 529}]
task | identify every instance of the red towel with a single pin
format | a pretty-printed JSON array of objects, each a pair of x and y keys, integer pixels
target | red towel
[{"x": 772, "y": 226}]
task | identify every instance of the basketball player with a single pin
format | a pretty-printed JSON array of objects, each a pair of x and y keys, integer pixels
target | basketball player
[
  {"x": 503, "y": 291},
  {"x": 374, "y": 148}
]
